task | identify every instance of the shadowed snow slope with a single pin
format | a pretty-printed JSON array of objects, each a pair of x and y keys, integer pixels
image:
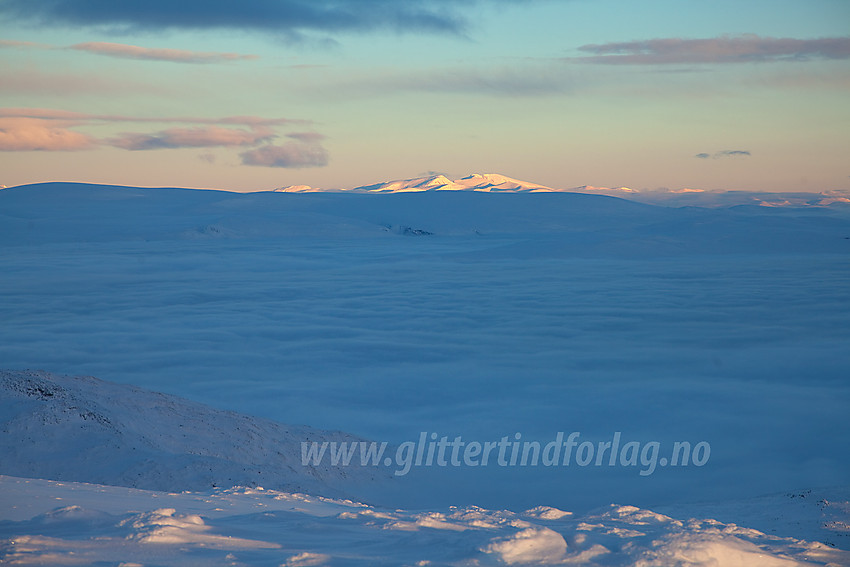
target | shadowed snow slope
[{"x": 88, "y": 430}]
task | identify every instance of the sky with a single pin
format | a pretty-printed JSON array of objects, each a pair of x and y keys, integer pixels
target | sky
[{"x": 260, "y": 94}]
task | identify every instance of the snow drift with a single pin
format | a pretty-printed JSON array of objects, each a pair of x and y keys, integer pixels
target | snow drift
[{"x": 50, "y": 523}]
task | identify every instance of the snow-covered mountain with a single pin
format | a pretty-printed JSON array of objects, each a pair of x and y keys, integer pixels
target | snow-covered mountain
[
  {"x": 485, "y": 182},
  {"x": 497, "y": 183},
  {"x": 481, "y": 182},
  {"x": 80, "y": 428}
]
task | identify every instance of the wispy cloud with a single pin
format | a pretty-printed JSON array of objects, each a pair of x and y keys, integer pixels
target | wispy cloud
[
  {"x": 124, "y": 51},
  {"x": 14, "y": 44},
  {"x": 541, "y": 77},
  {"x": 198, "y": 137},
  {"x": 305, "y": 150},
  {"x": 723, "y": 154},
  {"x": 280, "y": 17},
  {"x": 58, "y": 114},
  {"x": 307, "y": 137},
  {"x": 45, "y": 129},
  {"x": 20, "y": 79},
  {"x": 516, "y": 79},
  {"x": 207, "y": 157},
  {"x": 725, "y": 49}
]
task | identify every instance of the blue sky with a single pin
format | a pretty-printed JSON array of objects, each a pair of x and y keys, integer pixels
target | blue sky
[{"x": 266, "y": 93}]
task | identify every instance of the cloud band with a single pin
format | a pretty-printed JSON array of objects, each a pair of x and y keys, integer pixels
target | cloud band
[{"x": 725, "y": 49}]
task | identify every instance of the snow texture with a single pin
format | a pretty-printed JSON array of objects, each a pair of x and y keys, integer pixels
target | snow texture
[{"x": 53, "y": 523}]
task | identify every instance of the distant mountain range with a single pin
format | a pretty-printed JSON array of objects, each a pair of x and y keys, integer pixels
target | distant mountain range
[
  {"x": 486, "y": 182},
  {"x": 583, "y": 222},
  {"x": 497, "y": 183},
  {"x": 481, "y": 182}
]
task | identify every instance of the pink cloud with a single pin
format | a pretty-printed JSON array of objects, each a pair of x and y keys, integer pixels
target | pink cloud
[
  {"x": 26, "y": 129},
  {"x": 125, "y": 51},
  {"x": 29, "y": 134}
]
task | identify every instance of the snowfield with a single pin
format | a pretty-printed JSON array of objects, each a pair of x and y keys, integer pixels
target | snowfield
[
  {"x": 55, "y": 523},
  {"x": 190, "y": 340}
]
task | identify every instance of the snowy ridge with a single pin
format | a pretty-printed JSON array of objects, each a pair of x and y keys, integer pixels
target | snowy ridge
[
  {"x": 835, "y": 199},
  {"x": 70, "y": 523},
  {"x": 483, "y": 182},
  {"x": 83, "y": 429},
  {"x": 497, "y": 183}
]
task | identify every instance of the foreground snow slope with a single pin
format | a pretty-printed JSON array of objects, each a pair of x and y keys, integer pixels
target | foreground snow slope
[
  {"x": 85, "y": 429},
  {"x": 52, "y": 523},
  {"x": 108, "y": 434}
]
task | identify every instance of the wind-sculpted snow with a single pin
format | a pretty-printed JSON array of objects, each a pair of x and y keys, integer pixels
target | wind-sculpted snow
[
  {"x": 85, "y": 429},
  {"x": 50, "y": 523}
]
